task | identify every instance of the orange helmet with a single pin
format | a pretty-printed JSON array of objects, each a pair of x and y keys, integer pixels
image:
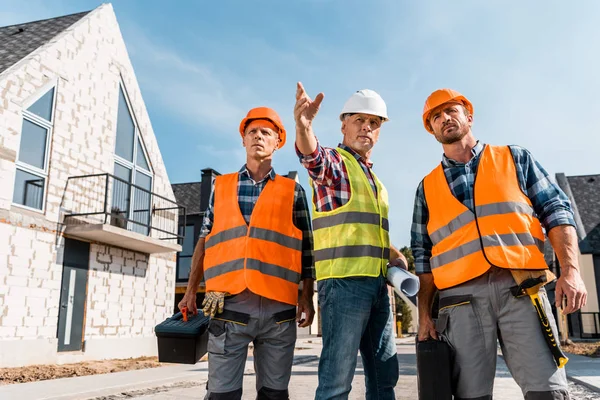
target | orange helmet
[
  {"x": 264, "y": 113},
  {"x": 440, "y": 97}
]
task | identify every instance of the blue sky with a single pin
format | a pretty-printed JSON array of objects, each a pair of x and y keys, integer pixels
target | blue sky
[{"x": 532, "y": 70}]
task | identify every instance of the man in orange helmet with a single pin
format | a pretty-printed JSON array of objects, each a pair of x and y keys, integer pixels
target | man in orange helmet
[
  {"x": 478, "y": 224},
  {"x": 255, "y": 248}
]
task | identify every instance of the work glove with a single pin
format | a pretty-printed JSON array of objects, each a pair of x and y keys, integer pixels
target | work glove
[{"x": 213, "y": 303}]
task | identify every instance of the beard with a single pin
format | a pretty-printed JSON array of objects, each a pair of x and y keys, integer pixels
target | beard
[{"x": 456, "y": 135}]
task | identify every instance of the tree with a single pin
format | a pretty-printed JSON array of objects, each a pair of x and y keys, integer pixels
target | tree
[
  {"x": 407, "y": 252},
  {"x": 406, "y": 317}
]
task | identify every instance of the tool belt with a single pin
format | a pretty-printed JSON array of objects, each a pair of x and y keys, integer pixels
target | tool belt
[
  {"x": 242, "y": 318},
  {"x": 530, "y": 281}
]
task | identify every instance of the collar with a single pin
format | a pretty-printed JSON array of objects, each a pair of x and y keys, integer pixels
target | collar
[
  {"x": 358, "y": 157},
  {"x": 476, "y": 151},
  {"x": 244, "y": 171}
]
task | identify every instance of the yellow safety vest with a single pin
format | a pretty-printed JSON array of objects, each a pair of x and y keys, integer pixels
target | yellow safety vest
[{"x": 353, "y": 240}]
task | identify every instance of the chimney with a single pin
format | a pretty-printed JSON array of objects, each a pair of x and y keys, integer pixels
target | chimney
[{"x": 208, "y": 176}]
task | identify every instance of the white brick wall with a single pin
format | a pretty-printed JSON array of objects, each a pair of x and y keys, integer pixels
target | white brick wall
[
  {"x": 118, "y": 298},
  {"x": 128, "y": 292},
  {"x": 32, "y": 289},
  {"x": 86, "y": 108}
]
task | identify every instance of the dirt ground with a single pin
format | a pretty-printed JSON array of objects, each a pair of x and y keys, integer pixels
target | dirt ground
[
  {"x": 590, "y": 349},
  {"x": 43, "y": 372}
]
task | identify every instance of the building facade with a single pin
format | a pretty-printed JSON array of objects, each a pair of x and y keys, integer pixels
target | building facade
[
  {"x": 584, "y": 194},
  {"x": 88, "y": 219}
]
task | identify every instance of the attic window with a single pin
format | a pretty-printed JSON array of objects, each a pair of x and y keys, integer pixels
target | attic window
[{"x": 32, "y": 160}]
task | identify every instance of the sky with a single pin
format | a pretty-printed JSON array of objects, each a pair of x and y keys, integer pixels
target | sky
[{"x": 531, "y": 69}]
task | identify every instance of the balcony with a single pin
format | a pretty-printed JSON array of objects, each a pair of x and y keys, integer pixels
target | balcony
[{"x": 106, "y": 209}]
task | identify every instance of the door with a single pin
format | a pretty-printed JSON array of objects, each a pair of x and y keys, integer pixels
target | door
[{"x": 73, "y": 295}]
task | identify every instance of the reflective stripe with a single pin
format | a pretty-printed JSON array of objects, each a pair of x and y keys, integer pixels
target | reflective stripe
[
  {"x": 276, "y": 237},
  {"x": 273, "y": 270},
  {"x": 503, "y": 208},
  {"x": 351, "y": 217},
  {"x": 385, "y": 224},
  {"x": 265, "y": 268},
  {"x": 224, "y": 268},
  {"x": 229, "y": 234},
  {"x": 452, "y": 226},
  {"x": 507, "y": 239},
  {"x": 351, "y": 252},
  {"x": 482, "y": 211}
]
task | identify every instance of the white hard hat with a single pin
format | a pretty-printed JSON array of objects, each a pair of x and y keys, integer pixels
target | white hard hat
[{"x": 365, "y": 101}]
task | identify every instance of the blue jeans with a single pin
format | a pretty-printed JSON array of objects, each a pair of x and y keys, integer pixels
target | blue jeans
[{"x": 356, "y": 315}]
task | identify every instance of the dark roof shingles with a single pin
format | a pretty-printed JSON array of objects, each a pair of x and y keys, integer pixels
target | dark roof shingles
[
  {"x": 188, "y": 195},
  {"x": 586, "y": 191},
  {"x": 18, "y": 41}
]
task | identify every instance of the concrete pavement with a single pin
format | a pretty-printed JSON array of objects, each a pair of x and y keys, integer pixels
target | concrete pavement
[{"x": 188, "y": 381}]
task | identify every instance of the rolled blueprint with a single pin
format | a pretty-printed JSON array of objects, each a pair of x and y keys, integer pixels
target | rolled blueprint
[{"x": 403, "y": 281}]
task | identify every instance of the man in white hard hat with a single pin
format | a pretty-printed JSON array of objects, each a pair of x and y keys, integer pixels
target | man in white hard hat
[{"x": 351, "y": 247}]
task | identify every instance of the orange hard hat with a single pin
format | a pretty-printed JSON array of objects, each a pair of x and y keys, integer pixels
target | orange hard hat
[
  {"x": 440, "y": 97},
  {"x": 264, "y": 113}
]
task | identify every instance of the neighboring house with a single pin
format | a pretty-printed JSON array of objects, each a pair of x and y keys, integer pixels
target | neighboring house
[
  {"x": 87, "y": 259},
  {"x": 195, "y": 197},
  {"x": 584, "y": 194}
]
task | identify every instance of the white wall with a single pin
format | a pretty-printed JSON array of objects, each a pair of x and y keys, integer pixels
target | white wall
[{"x": 128, "y": 292}]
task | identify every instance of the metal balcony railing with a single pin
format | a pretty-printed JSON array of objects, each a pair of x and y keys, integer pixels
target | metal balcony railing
[{"x": 107, "y": 199}]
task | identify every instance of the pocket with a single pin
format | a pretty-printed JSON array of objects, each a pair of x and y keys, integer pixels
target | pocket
[
  {"x": 459, "y": 323},
  {"x": 217, "y": 332},
  {"x": 285, "y": 316}
]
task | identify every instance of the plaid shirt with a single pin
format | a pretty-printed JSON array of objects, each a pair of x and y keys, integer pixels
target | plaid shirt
[
  {"x": 331, "y": 185},
  {"x": 550, "y": 204},
  {"x": 248, "y": 192}
]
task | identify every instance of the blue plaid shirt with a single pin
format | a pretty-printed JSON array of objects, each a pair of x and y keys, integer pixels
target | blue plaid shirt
[
  {"x": 550, "y": 204},
  {"x": 248, "y": 192}
]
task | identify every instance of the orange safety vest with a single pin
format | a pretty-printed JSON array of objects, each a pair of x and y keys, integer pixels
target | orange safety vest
[
  {"x": 503, "y": 231},
  {"x": 264, "y": 256}
]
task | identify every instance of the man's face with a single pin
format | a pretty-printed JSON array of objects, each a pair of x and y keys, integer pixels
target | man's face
[
  {"x": 260, "y": 139},
  {"x": 450, "y": 122},
  {"x": 361, "y": 131}
]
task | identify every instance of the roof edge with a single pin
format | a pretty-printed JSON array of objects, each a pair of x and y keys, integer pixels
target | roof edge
[
  {"x": 47, "y": 19},
  {"x": 563, "y": 183},
  {"x": 29, "y": 56}
]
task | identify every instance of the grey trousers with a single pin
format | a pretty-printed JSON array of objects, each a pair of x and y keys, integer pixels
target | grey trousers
[
  {"x": 274, "y": 338},
  {"x": 474, "y": 316}
]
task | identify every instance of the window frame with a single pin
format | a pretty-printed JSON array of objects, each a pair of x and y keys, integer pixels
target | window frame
[
  {"x": 49, "y": 126},
  {"x": 197, "y": 225},
  {"x": 132, "y": 165}
]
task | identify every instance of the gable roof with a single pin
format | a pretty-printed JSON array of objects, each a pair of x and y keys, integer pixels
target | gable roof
[
  {"x": 188, "y": 195},
  {"x": 18, "y": 41},
  {"x": 584, "y": 193}
]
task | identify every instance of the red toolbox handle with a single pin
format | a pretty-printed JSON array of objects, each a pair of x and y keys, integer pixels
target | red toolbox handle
[{"x": 184, "y": 313}]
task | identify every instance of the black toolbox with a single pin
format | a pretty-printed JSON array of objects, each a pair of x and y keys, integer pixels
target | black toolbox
[
  {"x": 434, "y": 370},
  {"x": 182, "y": 342}
]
